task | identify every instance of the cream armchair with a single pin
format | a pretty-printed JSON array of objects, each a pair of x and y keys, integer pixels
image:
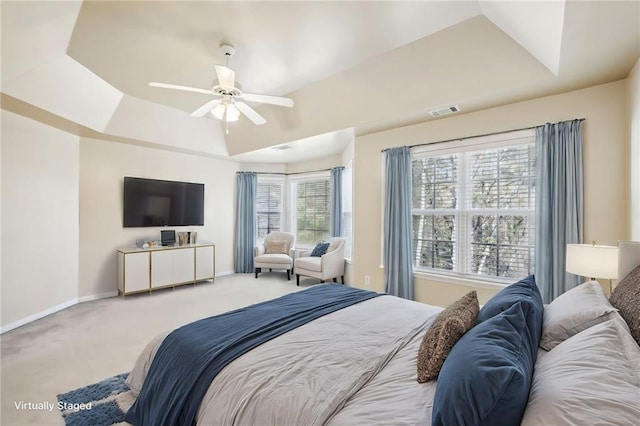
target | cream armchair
[
  {"x": 275, "y": 253},
  {"x": 328, "y": 266}
]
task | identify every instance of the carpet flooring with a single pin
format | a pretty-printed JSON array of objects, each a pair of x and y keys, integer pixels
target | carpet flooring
[{"x": 91, "y": 341}]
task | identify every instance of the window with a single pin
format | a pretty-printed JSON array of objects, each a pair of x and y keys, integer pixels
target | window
[
  {"x": 473, "y": 210},
  {"x": 269, "y": 206},
  {"x": 312, "y": 210},
  {"x": 347, "y": 209}
]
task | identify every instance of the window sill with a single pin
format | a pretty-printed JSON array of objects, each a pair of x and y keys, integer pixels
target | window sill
[{"x": 456, "y": 280}]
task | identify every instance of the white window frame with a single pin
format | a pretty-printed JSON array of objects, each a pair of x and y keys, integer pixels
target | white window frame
[
  {"x": 347, "y": 201},
  {"x": 461, "y": 271},
  {"x": 292, "y": 198},
  {"x": 279, "y": 180}
]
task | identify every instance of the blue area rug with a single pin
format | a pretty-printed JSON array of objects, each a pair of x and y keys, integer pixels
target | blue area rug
[{"x": 102, "y": 403}]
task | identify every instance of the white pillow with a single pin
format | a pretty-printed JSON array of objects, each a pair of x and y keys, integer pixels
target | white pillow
[
  {"x": 573, "y": 311},
  {"x": 590, "y": 378}
]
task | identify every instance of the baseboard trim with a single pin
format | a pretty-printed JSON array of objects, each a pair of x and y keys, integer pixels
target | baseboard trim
[
  {"x": 65, "y": 305},
  {"x": 97, "y": 296},
  {"x": 54, "y": 309}
]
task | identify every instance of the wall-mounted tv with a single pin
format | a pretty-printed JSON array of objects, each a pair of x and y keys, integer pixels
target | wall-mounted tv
[{"x": 151, "y": 202}]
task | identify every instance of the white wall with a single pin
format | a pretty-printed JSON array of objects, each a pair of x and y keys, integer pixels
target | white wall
[
  {"x": 39, "y": 218},
  {"x": 103, "y": 165},
  {"x": 634, "y": 150}
]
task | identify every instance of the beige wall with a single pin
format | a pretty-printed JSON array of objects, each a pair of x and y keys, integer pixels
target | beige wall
[
  {"x": 104, "y": 164},
  {"x": 605, "y": 162},
  {"x": 1, "y": 224},
  {"x": 76, "y": 245},
  {"x": 62, "y": 213},
  {"x": 323, "y": 163},
  {"x": 634, "y": 150},
  {"x": 39, "y": 219}
]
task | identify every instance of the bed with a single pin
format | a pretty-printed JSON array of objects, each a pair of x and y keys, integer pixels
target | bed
[{"x": 357, "y": 365}]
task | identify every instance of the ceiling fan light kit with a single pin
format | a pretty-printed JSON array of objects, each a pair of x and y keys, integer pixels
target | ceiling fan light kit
[
  {"x": 227, "y": 106},
  {"x": 232, "y": 113}
]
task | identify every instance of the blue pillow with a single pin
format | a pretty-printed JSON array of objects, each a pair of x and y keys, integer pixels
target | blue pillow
[
  {"x": 525, "y": 289},
  {"x": 486, "y": 378},
  {"x": 320, "y": 249}
]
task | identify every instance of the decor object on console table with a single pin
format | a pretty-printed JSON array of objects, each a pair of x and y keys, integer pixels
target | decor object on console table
[
  {"x": 152, "y": 268},
  {"x": 183, "y": 238},
  {"x": 168, "y": 237}
]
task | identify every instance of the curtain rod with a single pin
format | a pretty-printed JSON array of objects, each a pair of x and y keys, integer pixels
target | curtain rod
[
  {"x": 294, "y": 173},
  {"x": 478, "y": 136}
]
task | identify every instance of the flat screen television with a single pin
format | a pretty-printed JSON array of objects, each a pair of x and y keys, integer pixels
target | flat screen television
[{"x": 151, "y": 202}]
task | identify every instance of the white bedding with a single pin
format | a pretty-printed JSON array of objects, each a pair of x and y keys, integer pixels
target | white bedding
[
  {"x": 356, "y": 365},
  {"x": 590, "y": 378}
]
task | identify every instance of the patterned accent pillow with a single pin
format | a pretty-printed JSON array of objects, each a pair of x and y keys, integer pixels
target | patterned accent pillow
[
  {"x": 450, "y": 325},
  {"x": 626, "y": 298},
  {"x": 275, "y": 247},
  {"x": 320, "y": 249}
]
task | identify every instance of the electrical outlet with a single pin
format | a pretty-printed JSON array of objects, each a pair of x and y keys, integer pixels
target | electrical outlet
[{"x": 367, "y": 281}]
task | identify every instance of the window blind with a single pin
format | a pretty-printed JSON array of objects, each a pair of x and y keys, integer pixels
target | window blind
[
  {"x": 269, "y": 208},
  {"x": 312, "y": 211},
  {"x": 473, "y": 210}
]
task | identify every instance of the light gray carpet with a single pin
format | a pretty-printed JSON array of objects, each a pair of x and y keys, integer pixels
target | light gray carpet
[{"x": 94, "y": 340}]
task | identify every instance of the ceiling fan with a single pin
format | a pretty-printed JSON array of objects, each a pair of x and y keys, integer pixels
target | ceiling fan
[{"x": 228, "y": 104}]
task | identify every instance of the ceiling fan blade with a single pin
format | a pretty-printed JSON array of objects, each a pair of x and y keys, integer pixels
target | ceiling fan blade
[
  {"x": 200, "y": 112},
  {"x": 266, "y": 99},
  {"x": 226, "y": 77},
  {"x": 250, "y": 113},
  {"x": 176, "y": 87}
]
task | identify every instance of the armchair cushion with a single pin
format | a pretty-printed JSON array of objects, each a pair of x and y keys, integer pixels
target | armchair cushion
[
  {"x": 309, "y": 263},
  {"x": 267, "y": 260},
  {"x": 276, "y": 247},
  {"x": 320, "y": 249}
]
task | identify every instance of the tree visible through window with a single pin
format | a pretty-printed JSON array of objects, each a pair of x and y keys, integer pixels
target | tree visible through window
[
  {"x": 269, "y": 208},
  {"x": 312, "y": 211},
  {"x": 434, "y": 207},
  {"x": 473, "y": 212}
]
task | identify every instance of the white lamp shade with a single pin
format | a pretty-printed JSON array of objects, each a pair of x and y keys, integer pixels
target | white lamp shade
[
  {"x": 233, "y": 114},
  {"x": 218, "y": 111},
  {"x": 592, "y": 261}
]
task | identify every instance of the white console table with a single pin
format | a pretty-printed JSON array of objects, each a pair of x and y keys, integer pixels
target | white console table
[{"x": 148, "y": 269}]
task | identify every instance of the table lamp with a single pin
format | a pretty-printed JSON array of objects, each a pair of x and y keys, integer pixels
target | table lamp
[{"x": 593, "y": 261}]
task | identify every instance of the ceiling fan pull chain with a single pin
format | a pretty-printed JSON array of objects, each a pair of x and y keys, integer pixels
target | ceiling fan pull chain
[{"x": 224, "y": 120}]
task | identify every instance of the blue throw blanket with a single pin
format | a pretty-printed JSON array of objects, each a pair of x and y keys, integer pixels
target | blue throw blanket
[{"x": 190, "y": 357}]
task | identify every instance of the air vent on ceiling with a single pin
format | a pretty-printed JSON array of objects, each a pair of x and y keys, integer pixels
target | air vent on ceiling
[
  {"x": 444, "y": 111},
  {"x": 282, "y": 147}
]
